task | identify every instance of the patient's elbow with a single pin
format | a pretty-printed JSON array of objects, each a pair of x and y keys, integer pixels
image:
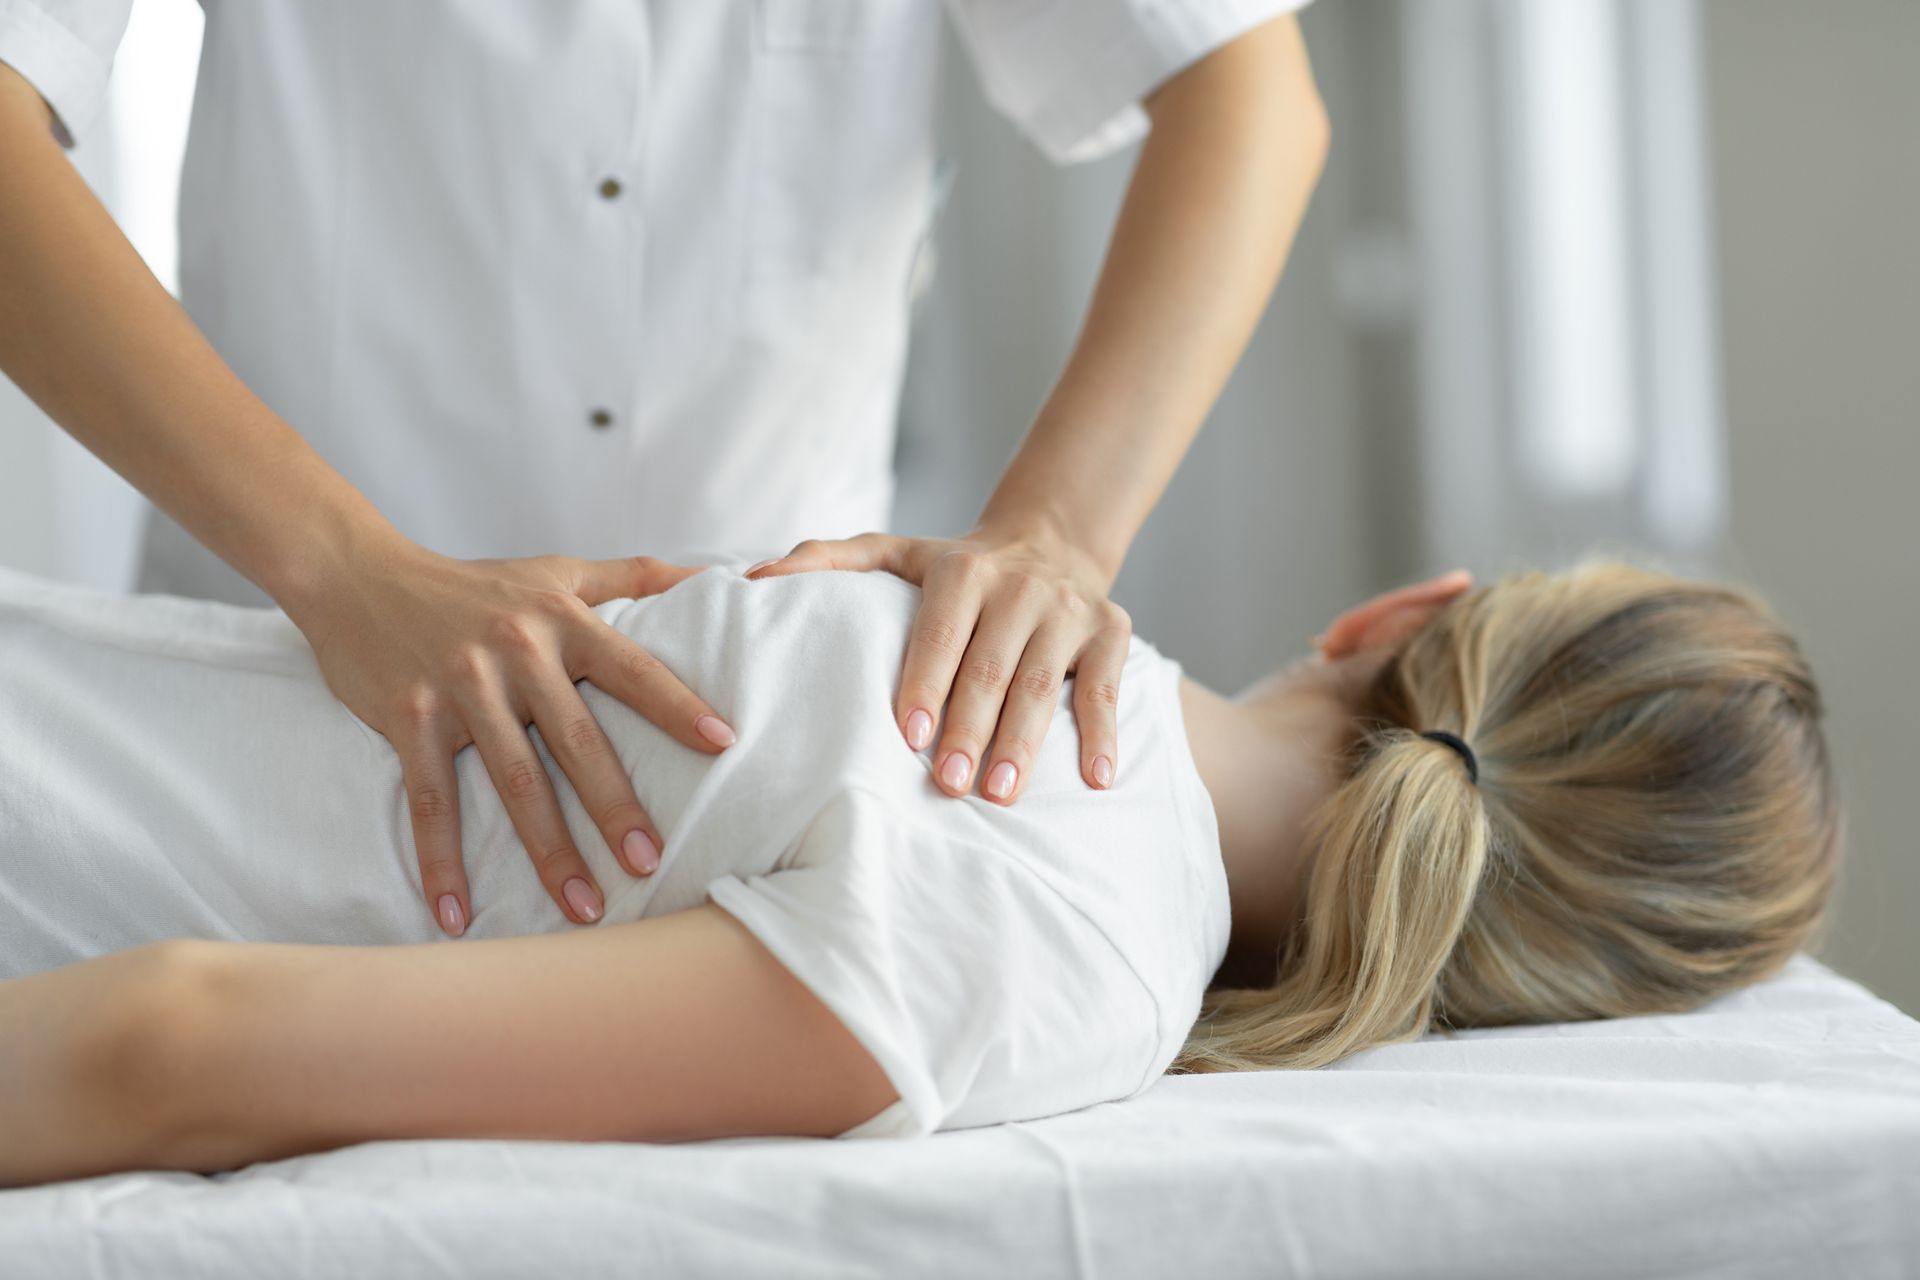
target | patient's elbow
[{"x": 144, "y": 1064}]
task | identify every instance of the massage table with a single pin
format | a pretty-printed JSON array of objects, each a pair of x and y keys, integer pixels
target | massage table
[{"x": 1773, "y": 1132}]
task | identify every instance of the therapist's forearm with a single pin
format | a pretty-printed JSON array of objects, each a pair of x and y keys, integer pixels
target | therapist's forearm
[
  {"x": 93, "y": 338},
  {"x": 1222, "y": 182}
]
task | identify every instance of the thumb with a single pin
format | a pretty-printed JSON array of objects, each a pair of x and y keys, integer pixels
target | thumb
[
  {"x": 628, "y": 576},
  {"x": 867, "y": 551}
]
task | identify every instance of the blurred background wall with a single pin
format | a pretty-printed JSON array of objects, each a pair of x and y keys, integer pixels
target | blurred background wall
[
  {"x": 1638, "y": 274},
  {"x": 1816, "y": 167}
]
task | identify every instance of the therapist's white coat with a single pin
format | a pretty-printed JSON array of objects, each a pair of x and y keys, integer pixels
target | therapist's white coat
[{"x": 597, "y": 276}]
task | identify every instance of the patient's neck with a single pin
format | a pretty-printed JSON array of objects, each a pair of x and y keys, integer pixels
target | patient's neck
[{"x": 1268, "y": 758}]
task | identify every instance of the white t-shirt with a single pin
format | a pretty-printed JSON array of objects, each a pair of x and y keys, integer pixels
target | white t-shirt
[{"x": 172, "y": 768}]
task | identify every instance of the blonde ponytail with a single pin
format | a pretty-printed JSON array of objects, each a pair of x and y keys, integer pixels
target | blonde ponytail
[
  {"x": 1654, "y": 823},
  {"x": 1404, "y": 844}
]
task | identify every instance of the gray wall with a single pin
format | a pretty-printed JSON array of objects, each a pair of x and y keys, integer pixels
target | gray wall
[
  {"x": 26, "y": 502},
  {"x": 1816, "y": 122}
]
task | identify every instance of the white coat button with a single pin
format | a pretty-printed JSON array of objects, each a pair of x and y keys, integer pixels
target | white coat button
[
  {"x": 601, "y": 418},
  {"x": 610, "y": 188}
]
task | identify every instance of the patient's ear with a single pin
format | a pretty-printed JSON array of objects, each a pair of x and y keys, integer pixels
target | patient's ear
[{"x": 1390, "y": 619}]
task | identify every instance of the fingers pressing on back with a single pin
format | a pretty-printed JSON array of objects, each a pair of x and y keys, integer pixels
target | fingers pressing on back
[
  {"x": 433, "y": 803},
  {"x": 1027, "y": 714},
  {"x": 521, "y": 779},
  {"x": 943, "y": 625},
  {"x": 622, "y": 668},
  {"x": 581, "y": 749},
  {"x": 1096, "y": 698}
]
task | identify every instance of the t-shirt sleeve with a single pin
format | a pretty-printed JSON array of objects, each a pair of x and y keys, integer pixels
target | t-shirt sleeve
[
  {"x": 64, "y": 49},
  {"x": 981, "y": 992},
  {"x": 1072, "y": 73}
]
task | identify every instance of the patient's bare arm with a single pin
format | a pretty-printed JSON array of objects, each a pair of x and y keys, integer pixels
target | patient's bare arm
[{"x": 205, "y": 1056}]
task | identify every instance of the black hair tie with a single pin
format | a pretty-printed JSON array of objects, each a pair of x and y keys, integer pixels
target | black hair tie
[{"x": 1466, "y": 752}]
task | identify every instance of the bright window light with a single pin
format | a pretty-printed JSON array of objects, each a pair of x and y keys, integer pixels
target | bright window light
[{"x": 1571, "y": 266}]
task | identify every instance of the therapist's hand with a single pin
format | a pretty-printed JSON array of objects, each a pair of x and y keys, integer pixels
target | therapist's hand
[
  {"x": 437, "y": 653},
  {"x": 1003, "y": 620}
]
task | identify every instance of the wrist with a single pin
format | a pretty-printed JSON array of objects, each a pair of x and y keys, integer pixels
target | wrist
[
  {"x": 1072, "y": 488},
  {"x": 1051, "y": 534},
  {"x": 335, "y": 550}
]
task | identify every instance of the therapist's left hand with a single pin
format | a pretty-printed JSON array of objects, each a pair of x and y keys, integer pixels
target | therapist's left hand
[{"x": 1004, "y": 619}]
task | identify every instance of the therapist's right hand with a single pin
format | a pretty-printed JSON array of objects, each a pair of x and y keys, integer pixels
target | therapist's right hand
[
  {"x": 433, "y": 653},
  {"x": 436, "y": 654}
]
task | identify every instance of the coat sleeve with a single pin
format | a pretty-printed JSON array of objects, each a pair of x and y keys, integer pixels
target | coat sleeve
[
  {"x": 1072, "y": 73},
  {"x": 64, "y": 49}
]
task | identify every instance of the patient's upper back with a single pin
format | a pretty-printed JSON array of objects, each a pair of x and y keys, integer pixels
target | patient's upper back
[{"x": 821, "y": 779}]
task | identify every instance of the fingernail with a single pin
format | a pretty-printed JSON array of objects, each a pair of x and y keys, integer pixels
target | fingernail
[
  {"x": 1000, "y": 780},
  {"x": 714, "y": 730},
  {"x": 919, "y": 730},
  {"x": 452, "y": 918},
  {"x": 1103, "y": 771},
  {"x": 753, "y": 569},
  {"x": 581, "y": 897},
  {"x": 643, "y": 855},
  {"x": 955, "y": 771}
]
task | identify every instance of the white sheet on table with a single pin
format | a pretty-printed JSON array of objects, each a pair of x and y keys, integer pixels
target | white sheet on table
[{"x": 1775, "y": 1132}]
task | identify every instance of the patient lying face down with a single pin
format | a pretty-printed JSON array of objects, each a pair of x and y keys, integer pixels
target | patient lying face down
[{"x": 1561, "y": 796}]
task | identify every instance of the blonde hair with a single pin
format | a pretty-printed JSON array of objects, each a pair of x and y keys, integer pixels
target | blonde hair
[{"x": 1655, "y": 823}]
